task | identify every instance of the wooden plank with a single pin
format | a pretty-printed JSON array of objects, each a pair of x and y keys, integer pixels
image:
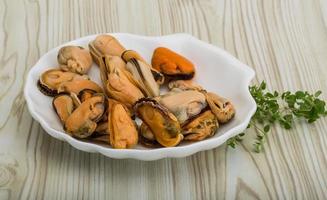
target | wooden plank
[{"x": 284, "y": 41}]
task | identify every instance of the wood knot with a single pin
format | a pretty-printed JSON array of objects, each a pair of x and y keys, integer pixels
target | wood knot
[{"x": 8, "y": 170}]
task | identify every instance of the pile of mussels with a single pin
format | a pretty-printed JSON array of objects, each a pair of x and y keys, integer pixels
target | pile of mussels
[{"x": 131, "y": 88}]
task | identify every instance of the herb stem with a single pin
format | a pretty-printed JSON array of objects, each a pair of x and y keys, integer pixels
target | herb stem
[{"x": 283, "y": 109}]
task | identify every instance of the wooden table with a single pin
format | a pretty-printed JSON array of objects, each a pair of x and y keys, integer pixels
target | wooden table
[{"x": 284, "y": 41}]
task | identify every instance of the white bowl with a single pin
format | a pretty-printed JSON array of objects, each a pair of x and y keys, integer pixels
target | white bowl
[{"x": 216, "y": 70}]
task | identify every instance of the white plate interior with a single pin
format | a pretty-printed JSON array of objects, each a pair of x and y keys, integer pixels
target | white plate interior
[{"x": 216, "y": 70}]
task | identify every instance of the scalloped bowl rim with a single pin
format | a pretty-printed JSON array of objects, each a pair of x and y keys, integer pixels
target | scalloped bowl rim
[{"x": 150, "y": 154}]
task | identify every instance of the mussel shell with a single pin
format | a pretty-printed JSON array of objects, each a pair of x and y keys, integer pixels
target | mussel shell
[
  {"x": 46, "y": 90},
  {"x": 100, "y": 137},
  {"x": 179, "y": 76}
]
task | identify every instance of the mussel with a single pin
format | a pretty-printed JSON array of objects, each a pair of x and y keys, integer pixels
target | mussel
[
  {"x": 223, "y": 109},
  {"x": 197, "y": 128},
  {"x": 77, "y": 86},
  {"x": 74, "y": 59},
  {"x": 85, "y": 94},
  {"x": 184, "y": 104},
  {"x": 50, "y": 80},
  {"x": 101, "y": 133},
  {"x": 103, "y": 128},
  {"x": 105, "y": 45},
  {"x": 142, "y": 74},
  {"x": 171, "y": 64},
  {"x": 122, "y": 129},
  {"x": 146, "y": 132},
  {"x": 83, "y": 121},
  {"x": 185, "y": 85},
  {"x": 163, "y": 124},
  {"x": 146, "y": 137},
  {"x": 131, "y": 88},
  {"x": 118, "y": 83},
  {"x": 201, "y": 127},
  {"x": 131, "y": 54}
]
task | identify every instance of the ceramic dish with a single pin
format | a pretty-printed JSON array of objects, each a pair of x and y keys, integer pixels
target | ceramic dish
[{"x": 216, "y": 70}]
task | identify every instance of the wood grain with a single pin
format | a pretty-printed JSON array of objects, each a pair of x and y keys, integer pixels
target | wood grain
[{"x": 285, "y": 41}]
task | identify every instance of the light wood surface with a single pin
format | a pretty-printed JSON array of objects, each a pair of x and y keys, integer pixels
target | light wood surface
[{"x": 285, "y": 41}]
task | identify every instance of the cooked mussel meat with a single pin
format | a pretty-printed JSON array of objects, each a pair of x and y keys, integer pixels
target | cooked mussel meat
[
  {"x": 201, "y": 127},
  {"x": 146, "y": 132},
  {"x": 102, "y": 128},
  {"x": 142, "y": 74},
  {"x": 50, "y": 80},
  {"x": 115, "y": 61},
  {"x": 131, "y": 54},
  {"x": 146, "y": 137},
  {"x": 171, "y": 64},
  {"x": 63, "y": 105},
  {"x": 83, "y": 121},
  {"x": 85, "y": 94},
  {"x": 223, "y": 109},
  {"x": 183, "y": 104},
  {"x": 74, "y": 59},
  {"x": 101, "y": 133},
  {"x": 185, "y": 85},
  {"x": 118, "y": 83},
  {"x": 122, "y": 129},
  {"x": 105, "y": 45},
  {"x": 163, "y": 124},
  {"x": 77, "y": 86}
]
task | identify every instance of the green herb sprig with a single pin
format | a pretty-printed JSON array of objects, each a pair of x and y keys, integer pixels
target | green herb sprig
[{"x": 283, "y": 109}]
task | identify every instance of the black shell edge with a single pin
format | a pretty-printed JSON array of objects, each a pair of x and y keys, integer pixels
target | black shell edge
[
  {"x": 179, "y": 76},
  {"x": 45, "y": 90}
]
